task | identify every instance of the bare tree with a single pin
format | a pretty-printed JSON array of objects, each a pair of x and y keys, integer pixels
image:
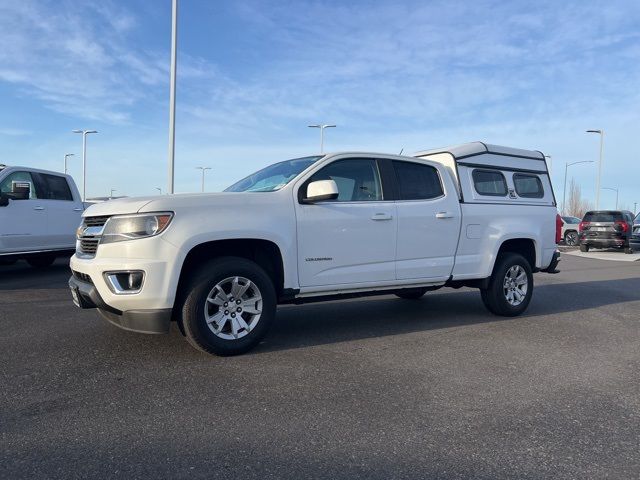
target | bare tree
[{"x": 576, "y": 205}]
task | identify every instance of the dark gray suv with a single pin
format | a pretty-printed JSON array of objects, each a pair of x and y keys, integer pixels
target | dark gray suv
[
  {"x": 606, "y": 229},
  {"x": 635, "y": 238}
]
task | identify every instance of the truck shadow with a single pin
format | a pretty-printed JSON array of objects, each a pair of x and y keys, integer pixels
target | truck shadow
[
  {"x": 20, "y": 275},
  {"x": 326, "y": 323}
]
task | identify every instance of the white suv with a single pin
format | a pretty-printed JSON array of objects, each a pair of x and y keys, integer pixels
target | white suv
[{"x": 315, "y": 228}]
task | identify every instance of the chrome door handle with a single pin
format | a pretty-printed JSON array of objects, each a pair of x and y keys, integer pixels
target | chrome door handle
[
  {"x": 381, "y": 216},
  {"x": 444, "y": 215},
  {"x": 77, "y": 209},
  {"x": 38, "y": 208}
]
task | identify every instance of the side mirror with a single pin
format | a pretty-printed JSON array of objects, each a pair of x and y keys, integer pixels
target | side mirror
[
  {"x": 20, "y": 190},
  {"x": 321, "y": 190}
]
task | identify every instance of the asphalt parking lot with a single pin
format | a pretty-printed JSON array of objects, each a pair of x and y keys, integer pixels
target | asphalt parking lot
[{"x": 369, "y": 388}]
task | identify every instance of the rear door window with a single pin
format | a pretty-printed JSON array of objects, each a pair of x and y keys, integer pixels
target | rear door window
[
  {"x": 55, "y": 187},
  {"x": 417, "y": 182},
  {"x": 528, "y": 186},
  {"x": 490, "y": 182}
]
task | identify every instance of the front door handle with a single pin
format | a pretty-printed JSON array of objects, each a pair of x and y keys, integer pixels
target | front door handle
[
  {"x": 381, "y": 216},
  {"x": 38, "y": 207},
  {"x": 77, "y": 209},
  {"x": 444, "y": 215}
]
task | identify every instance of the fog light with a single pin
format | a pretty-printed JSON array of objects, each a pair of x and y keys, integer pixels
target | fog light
[{"x": 125, "y": 283}]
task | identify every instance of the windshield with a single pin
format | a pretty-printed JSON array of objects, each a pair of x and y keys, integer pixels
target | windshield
[
  {"x": 607, "y": 216},
  {"x": 273, "y": 177}
]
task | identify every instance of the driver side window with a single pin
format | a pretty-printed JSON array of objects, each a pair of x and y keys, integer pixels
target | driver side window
[
  {"x": 358, "y": 180},
  {"x": 6, "y": 186}
]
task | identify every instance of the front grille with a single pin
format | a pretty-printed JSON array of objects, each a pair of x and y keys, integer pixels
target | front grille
[
  {"x": 95, "y": 221},
  {"x": 83, "y": 277},
  {"x": 89, "y": 246},
  {"x": 89, "y": 238}
]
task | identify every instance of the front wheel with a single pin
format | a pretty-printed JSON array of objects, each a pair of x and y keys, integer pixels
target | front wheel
[
  {"x": 229, "y": 306},
  {"x": 43, "y": 261},
  {"x": 571, "y": 238},
  {"x": 510, "y": 287},
  {"x": 411, "y": 294}
]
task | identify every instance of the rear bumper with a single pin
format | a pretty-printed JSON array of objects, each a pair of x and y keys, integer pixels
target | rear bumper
[
  {"x": 605, "y": 242},
  {"x": 86, "y": 296}
]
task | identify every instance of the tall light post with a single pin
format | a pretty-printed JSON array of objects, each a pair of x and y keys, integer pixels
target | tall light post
[
  {"x": 204, "y": 169},
  {"x": 66, "y": 155},
  {"x": 84, "y": 160},
  {"x": 564, "y": 192},
  {"x": 322, "y": 127},
  {"x": 172, "y": 92},
  {"x": 613, "y": 190},
  {"x": 601, "y": 132}
]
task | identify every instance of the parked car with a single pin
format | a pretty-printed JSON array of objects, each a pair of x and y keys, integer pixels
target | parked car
[
  {"x": 570, "y": 230},
  {"x": 317, "y": 228},
  {"x": 606, "y": 229},
  {"x": 635, "y": 237},
  {"x": 39, "y": 214}
]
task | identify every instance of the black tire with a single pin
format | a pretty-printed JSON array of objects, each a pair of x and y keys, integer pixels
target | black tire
[
  {"x": 571, "y": 238},
  {"x": 494, "y": 297},
  {"x": 6, "y": 263},
  {"x": 41, "y": 261},
  {"x": 194, "y": 323},
  {"x": 412, "y": 294},
  {"x": 584, "y": 248},
  {"x": 628, "y": 250}
]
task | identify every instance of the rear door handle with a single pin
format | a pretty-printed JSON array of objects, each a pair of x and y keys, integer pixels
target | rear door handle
[
  {"x": 444, "y": 215},
  {"x": 77, "y": 209},
  {"x": 381, "y": 216},
  {"x": 38, "y": 207}
]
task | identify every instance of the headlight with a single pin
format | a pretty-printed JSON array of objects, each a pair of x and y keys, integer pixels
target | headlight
[{"x": 130, "y": 227}]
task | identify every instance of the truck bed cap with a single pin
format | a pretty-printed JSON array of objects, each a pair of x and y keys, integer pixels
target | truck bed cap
[{"x": 478, "y": 148}]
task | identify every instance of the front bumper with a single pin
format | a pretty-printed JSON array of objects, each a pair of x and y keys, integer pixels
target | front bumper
[{"x": 86, "y": 296}]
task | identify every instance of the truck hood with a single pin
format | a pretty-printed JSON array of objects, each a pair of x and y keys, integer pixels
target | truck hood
[{"x": 161, "y": 203}]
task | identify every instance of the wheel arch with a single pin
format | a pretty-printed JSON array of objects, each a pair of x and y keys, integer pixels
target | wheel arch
[{"x": 527, "y": 247}]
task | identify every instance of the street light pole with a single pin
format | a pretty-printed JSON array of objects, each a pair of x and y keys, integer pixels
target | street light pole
[
  {"x": 614, "y": 190},
  {"x": 203, "y": 170},
  {"x": 172, "y": 93},
  {"x": 84, "y": 160},
  {"x": 601, "y": 132},
  {"x": 321, "y": 127},
  {"x": 66, "y": 155},
  {"x": 111, "y": 194},
  {"x": 564, "y": 191}
]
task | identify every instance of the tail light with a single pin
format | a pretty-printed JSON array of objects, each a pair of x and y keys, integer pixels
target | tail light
[
  {"x": 583, "y": 226},
  {"x": 621, "y": 226},
  {"x": 558, "y": 228}
]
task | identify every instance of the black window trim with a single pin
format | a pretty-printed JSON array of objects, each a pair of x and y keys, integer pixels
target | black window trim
[
  {"x": 397, "y": 198},
  {"x": 490, "y": 170},
  {"x": 528, "y": 195},
  {"x": 303, "y": 187}
]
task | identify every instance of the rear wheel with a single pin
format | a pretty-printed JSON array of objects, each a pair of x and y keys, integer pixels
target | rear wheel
[
  {"x": 510, "y": 287},
  {"x": 229, "y": 307},
  {"x": 411, "y": 294},
  {"x": 584, "y": 248},
  {"x": 43, "y": 261},
  {"x": 571, "y": 238},
  {"x": 628, "y": 250}
]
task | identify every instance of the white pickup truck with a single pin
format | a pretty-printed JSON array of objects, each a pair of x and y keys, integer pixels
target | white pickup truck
[
  {"x": 39, "y": 215},
  {"x": 320, "y": 227}
]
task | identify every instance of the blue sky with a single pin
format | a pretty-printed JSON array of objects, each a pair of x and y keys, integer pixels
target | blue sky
[{"x": 252, "y": 75}]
